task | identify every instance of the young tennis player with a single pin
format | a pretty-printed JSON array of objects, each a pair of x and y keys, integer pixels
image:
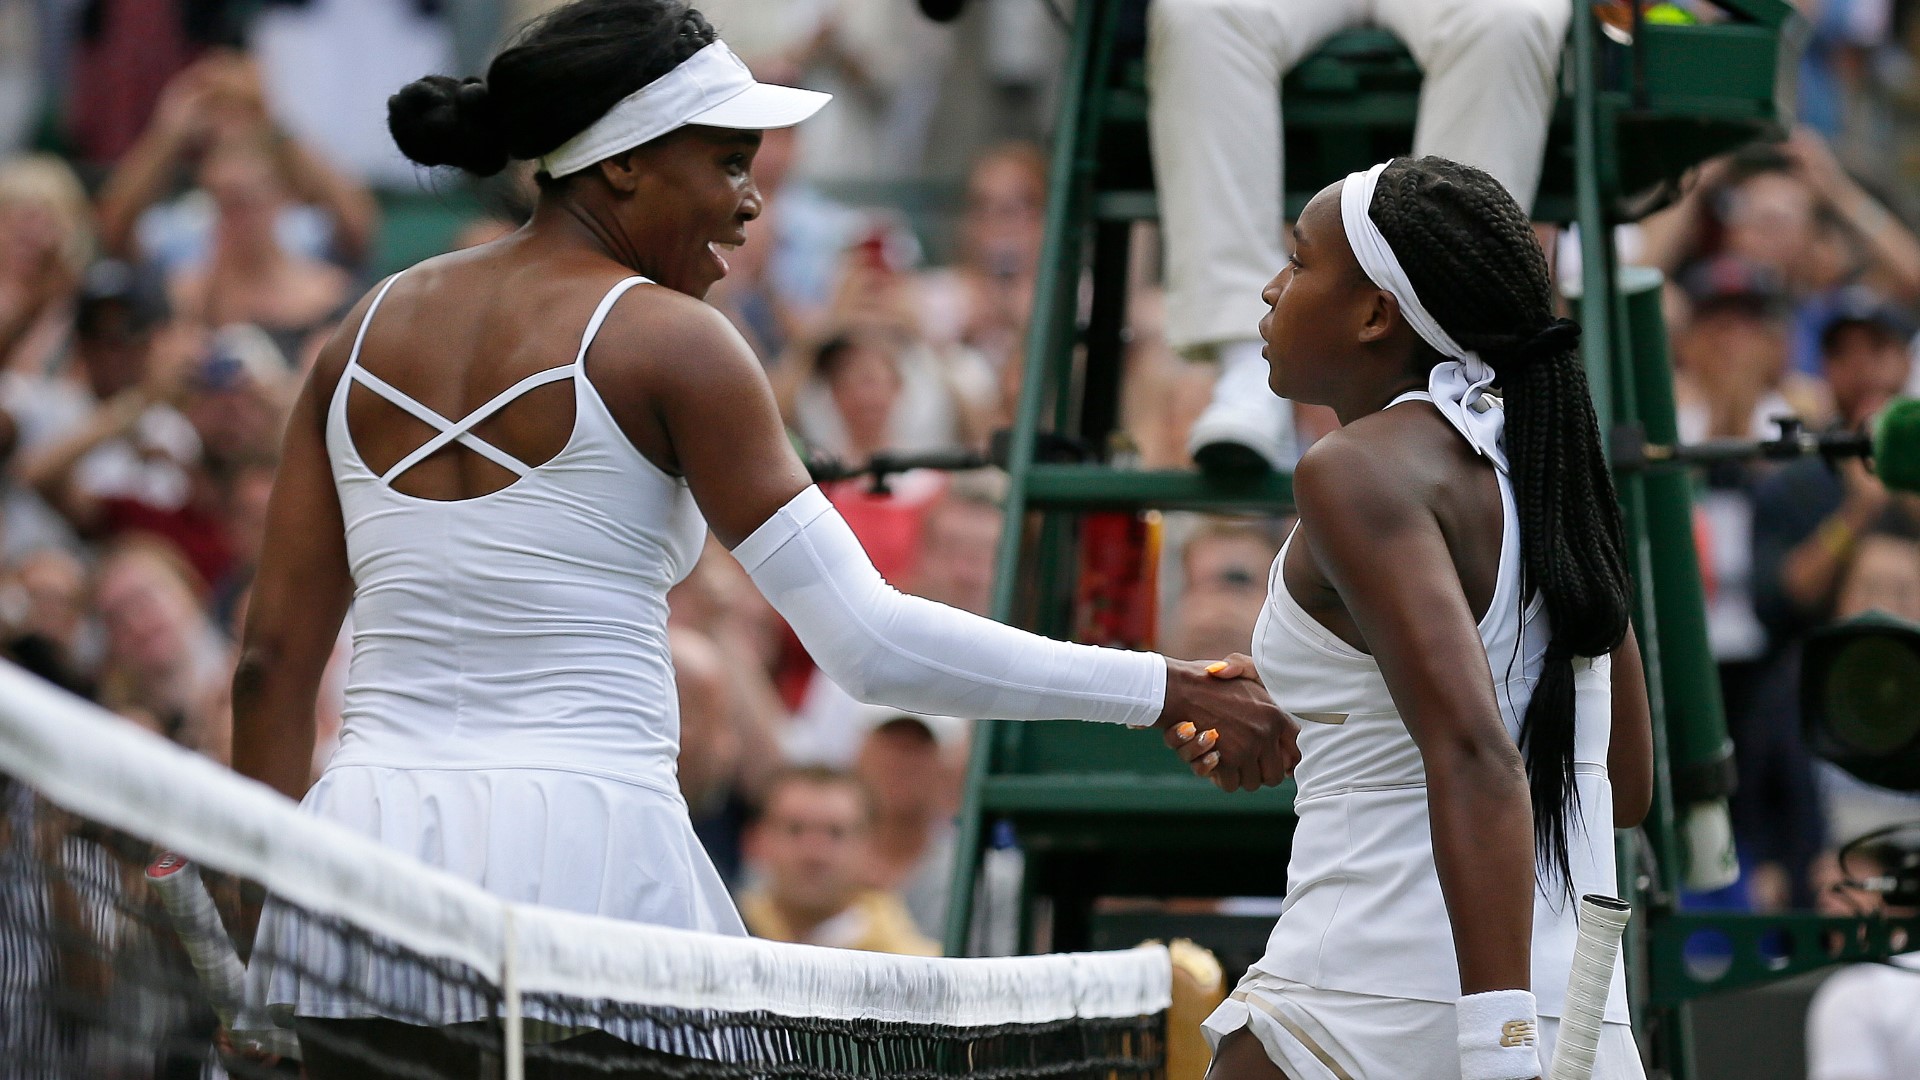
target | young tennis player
[{"x": 1449, "y": 623}]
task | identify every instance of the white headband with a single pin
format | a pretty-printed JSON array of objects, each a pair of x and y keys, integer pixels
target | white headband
[
  {"x": 712, "y": 87},
  {"x": 1382, "y": 268},
  {"x": 1459, "y": 385}
]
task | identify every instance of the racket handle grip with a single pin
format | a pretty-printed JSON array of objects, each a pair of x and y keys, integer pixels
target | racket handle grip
[
  {"x": 201, "y": 931},
  {"x": 1602, "y": 920}
]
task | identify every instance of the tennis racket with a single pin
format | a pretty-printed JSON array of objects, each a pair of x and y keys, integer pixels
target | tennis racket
[
  {"x": 210, "y": 949},
  {"x": 1602, "y": 919}
]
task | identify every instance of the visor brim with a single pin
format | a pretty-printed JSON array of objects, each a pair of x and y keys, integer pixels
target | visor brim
[{"x": 762, "y": 106}]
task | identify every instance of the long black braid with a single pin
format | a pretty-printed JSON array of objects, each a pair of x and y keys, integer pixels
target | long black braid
[{"x": 1471, "y": 255}]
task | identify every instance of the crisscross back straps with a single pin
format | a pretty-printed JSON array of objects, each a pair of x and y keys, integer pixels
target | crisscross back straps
[{"x": 461, "y": 431}]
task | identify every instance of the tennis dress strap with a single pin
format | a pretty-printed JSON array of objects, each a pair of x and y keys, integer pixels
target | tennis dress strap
[
  {"x": 600, "y": 313},
  {"x": 461, "y": 430}
]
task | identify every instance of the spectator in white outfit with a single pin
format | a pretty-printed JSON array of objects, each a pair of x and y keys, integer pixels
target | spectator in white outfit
[{"x": 1214, "y": 69}]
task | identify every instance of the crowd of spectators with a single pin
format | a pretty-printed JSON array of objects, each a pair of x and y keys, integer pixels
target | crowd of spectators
[{"x": 174, "y": 252}]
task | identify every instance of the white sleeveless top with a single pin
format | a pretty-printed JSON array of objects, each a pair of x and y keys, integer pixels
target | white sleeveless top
[
  {"x": 511, "y": 715},
  {"x": 1363, "y": 911}
]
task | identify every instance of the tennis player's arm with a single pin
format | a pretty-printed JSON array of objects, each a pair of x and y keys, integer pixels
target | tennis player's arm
[
  {"x": 1630, "y": 744},
  {"x": 300, "y": 596},
  {"x": 717, "y": 412},
  {"x": 1382, "y": 549}
]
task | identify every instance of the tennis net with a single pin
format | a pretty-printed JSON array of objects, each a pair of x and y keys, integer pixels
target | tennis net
[{"x": 121, "y": 959}]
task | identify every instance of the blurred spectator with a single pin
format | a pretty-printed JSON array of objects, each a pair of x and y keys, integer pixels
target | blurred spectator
[
  {"x": 959, "y": 541},
  {"x": 257, "y": 190},
  {"x": 329, "y": 65},
  {"x": 126, "y": 52},
  {"x": 164, "y": 657},
  {"x": 944, "y": 393},
  {"x": 58, "y": 962},
  {"x": 1792, "y": 215},
  {"x": 984, "y": 299},
  {"x": 858, "y": 376},
  {"x": 862, "y": 391},
  {"x": 1730, "y": 382},
  {"x": 1730, "y": 360},
  {"x": 133, "y": 464},
  {"x": 1827, "y": 543},
  {"x": 1808, "y": 516},
  {"x": 1161, "y": 395},
  {"x": 711, "y": 747},
  {"x": 1224, "y": 568},
  {"x": 46, "y": 242},
  {"x": 912, "y": 766},
  {"x": 1780, "y": 820},
  {"x": 101, "y": 350},
  {"x": 881, "y": 60},
  {"x": 1861, "y": 1023},
  {"x": 245, "y": 485},
  {"x": 1843, "y": 34},
  {"x": 240, "y": 393},
  {"x": 43, "y": 605},
  {"x": 720, "y": 605},
  {"x": 809, "y": 850},
  {"x": 721, "y": 601},
  {"x": 249, "y": 276}
]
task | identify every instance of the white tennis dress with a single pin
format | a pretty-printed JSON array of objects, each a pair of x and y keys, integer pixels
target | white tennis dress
[
  {"x": 1360, "y": 976},
  {"x": 510, "y": 707}
]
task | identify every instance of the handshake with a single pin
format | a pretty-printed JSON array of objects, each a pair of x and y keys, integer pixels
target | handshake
[{"x": 1221, "y": 722}]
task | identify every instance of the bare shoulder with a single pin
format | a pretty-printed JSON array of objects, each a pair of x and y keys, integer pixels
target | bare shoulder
[
  {"x": 1389, "y": 461},
  {"x": 1365, "y": 471},
  {"x": 666, "y": 342}
]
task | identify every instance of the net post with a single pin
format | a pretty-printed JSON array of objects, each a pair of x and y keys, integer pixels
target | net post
[{"x": 512, "y": 1044}]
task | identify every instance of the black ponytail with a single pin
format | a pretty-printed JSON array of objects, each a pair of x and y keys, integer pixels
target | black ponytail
[
  {"x": 1471, "y": 255},
  {"x": 563, "y": 71}
]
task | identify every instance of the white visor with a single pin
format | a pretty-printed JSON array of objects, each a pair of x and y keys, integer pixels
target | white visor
[{"x": 712, "y": 88}]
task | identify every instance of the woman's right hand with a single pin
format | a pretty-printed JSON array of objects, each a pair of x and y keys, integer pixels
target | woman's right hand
[{"x": 1221, "y": 722}]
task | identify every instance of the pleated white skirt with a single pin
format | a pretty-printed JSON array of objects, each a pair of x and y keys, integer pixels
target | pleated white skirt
[
  {"x": 581, "y": 842},
  {"x": 1316, "y": 1034}
]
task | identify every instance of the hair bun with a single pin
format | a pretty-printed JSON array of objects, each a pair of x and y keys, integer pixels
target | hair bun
[
  {"x": 440, "y": 120},
  {"x": 1558, "y": 336}
]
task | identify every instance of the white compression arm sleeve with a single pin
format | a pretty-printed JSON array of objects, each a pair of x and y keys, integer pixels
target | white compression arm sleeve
[{"x": 887, "y": 648}]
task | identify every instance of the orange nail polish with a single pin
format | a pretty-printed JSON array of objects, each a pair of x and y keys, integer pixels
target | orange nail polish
[
  {"x": 1184, "y": 730},
  {"x": 1209, "y": 737},
  {"x": 1216, "y": 667}
]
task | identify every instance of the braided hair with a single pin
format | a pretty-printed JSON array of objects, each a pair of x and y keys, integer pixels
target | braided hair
[{"x": 1471, "y": 255}]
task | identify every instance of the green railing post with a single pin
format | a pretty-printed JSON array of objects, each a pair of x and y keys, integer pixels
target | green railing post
[{"x": 1049, "y": 349}]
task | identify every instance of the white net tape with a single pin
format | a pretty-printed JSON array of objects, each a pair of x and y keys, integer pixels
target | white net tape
[{"x": 98, "y": 766}]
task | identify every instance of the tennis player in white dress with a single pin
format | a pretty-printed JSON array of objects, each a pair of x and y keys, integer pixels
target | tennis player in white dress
[
  {"x": 1448, "y": 623},
  {"x": 509, "y": 455}
]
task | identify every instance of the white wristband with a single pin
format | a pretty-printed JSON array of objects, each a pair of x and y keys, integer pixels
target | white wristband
[{"x": 1499, "y": 1036}]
